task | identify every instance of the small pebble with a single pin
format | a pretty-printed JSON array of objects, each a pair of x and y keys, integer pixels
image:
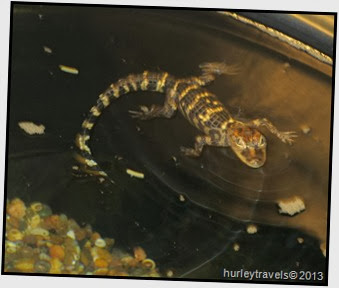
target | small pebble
[
  {"x": 16, "y": 208},
  {"x": 39, "y": 232},
  {"x": 71, "y": 234},
  {"x": 14, "y": 235},
  {"x": 148, "y": 263},
  {"x": 139, "y": 254},
  {"x": 101, "y": 243},
  {"x": 101, "y": 263},
  {"x": 25, "y": 265},
  {"x": 36, "y": 207},
  {"x": 57, "y": 251},
  {"x": 42, "y": 266}
]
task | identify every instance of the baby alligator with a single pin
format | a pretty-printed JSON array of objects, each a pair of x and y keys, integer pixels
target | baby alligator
[{"x": 199, "y": 106}]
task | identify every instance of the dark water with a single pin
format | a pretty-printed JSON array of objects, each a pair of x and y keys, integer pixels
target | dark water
[{"x": 194, "y": 237}]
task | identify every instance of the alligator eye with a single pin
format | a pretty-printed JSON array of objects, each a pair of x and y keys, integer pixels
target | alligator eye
[
  {"x": 240, "y": 142},
  {"x": 262, "y": 141}
]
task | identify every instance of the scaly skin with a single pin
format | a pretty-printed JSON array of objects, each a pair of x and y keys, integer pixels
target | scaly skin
[{"x": 199, "y": 106}]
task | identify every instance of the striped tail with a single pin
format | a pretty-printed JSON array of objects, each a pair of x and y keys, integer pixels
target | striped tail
[{"x": 147, "y": 81}]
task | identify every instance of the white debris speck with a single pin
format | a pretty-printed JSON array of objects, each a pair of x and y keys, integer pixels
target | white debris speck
[
  {"x": 252, "y": 229},
  {"x": 31, "y": 128},
  {"x": 68, "y": 69},
  {"x": 300, "y": 240},
  {"x": 135, "y": 173},
  {"x": 236, "y": 247},
  {"x": 182, "y": 198},
  {"x": 305, "y": 128},
  {"x": 47, "y": 50},
  {"x": 291, "y": 206}
]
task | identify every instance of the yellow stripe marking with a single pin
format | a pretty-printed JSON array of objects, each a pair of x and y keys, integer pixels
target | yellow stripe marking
[
  {"x": 95, "y": 111},
  {"x": 214, "y": 110},
  {"x": 175, "y": 87},
  {"x": 80, "y": 142},
  {"x": 131, "y": 81},
  {"x": 197, "y": 99},
  {"x": 209, "y": 112},
  {"x": 199, "y": 81},
  {"x": 144, "y": 82},
  {"x": 104, "y": 99},
  {"x": 126, "y": 88},
  {"x": 187, "y": 89},
  {"x": 161, "y": 82},
  {"x": 204, "y": 118},
  {"x": 87, "y": 124},
  {"x": 224, "y": 125},
  {"x": 116, "y": 92}
]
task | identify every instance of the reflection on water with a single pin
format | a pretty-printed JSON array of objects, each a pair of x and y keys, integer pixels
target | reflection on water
[{"x": 189, "y": 214}]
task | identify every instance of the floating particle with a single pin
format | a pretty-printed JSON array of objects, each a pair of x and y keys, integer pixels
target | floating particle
[
  {"x": 236, "y": 247},
  {"x": 182, "y": 198},
  {"x": 252, "y": 229},
  {"x": 47, "y": 50},
  {"x": 300, "y": 240},
  {"x": 169, "y": 273},
  {"x": 305, "y": 128},
  {"x": 68, "y": 69},
  {"x": 135, "y": 173},
  {"x": 31, "y": 128},
  {"x": 286, "y": 66},
  {"x": 291, "y": 206}
]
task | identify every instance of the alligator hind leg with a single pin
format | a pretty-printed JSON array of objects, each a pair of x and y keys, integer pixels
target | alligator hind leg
[
  {"x": 210, "y": 70},
  {"x": 156, "y": 111}
]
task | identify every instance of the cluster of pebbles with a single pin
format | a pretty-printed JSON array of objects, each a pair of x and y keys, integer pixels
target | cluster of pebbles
[{"x": 38, "y": 241}]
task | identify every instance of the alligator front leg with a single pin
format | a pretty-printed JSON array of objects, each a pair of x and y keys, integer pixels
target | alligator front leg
[{"x": 286, "y": 137}]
